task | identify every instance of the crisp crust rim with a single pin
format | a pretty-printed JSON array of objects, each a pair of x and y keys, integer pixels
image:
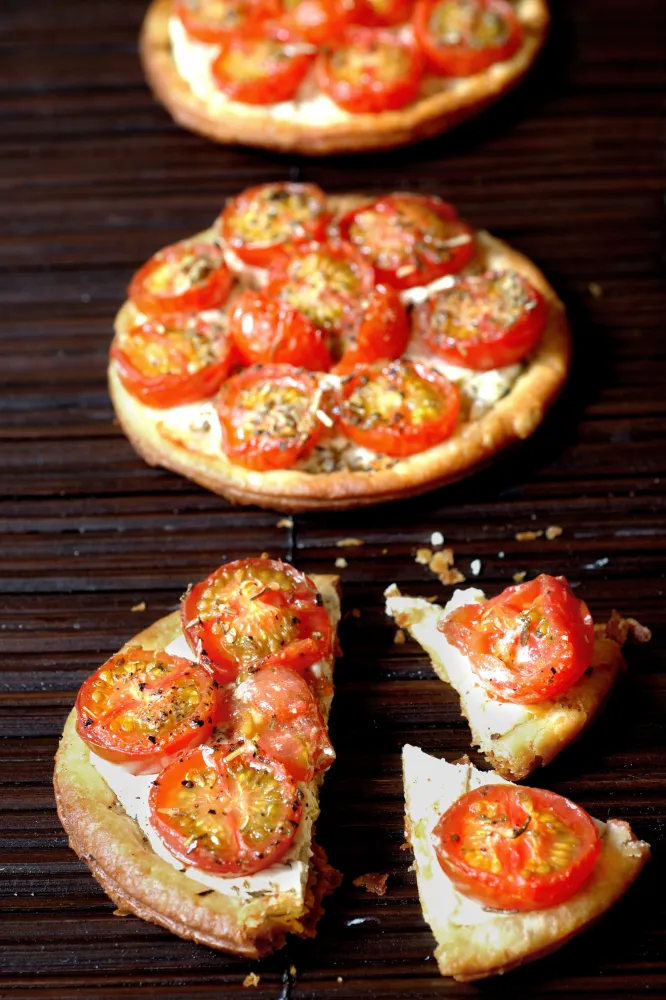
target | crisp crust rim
[
  {"x": 475, "y": 444},
  {"x": 427, "y": 117},
  {"x": 139, "y": 881}
]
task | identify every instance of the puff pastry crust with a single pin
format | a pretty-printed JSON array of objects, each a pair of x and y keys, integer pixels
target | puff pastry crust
[
  {"x": 473, "y": 445},
  {"x": 429, "y": 116},
  {"x": 140, "y": 882}
]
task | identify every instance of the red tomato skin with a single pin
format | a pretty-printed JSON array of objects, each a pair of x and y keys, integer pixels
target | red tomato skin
[
  {"x": 279, "y": 85},
  {"x": 196, "y": 28},
  {"x": 261, "y": 454},
  {"x": 514, "y": 892},
  {"x": 213, "y": 294},
  {"x": 395, "y": 12},
  {"x": 429, "y": 270},
  {"x": 298, "y": 655},
  {"x": 490, "y": 350},
  {"x": 248, "y": 861},
  {"x": 572, "y": 647},
  {"x": 269, "y": 331},
  {"x": 461, "y": 60},
  {"x": 148, "y": 759},
  {"x": 382, "y": 334},
  {"x": 406, "y": 440},
  {"x": 321, "y": 22},
  {"x": 370, "y": 96},
  {"x": 267, "y": 255},
  {"x": 277, "y": 709},
  {"x": 164, "y": 391}
]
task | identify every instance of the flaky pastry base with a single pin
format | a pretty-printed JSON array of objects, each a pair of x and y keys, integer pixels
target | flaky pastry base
[
  {"x": 473, "y": 445},
  {"x": 428, "y": 116},
  {"x": 140, "y": 882}
]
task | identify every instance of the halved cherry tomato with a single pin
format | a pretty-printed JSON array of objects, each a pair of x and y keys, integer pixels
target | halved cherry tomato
[
  {"x": 463, "y": 37},
  {"x": 371, "y": 71},
  {"x": 214, "y": 21},
  {"x": 144, "y": 707},
  {"x": 516, "y": 848},
  {"x": 382, "y": 332},
  {"x": 531, "y": 642},
  {"x": 483, "y": 321},
  {"x": 276, "y": 709},
  {"x": 321, "y": 22},
  {"x": 409, "y": 239},
  {"x": 257, "y": 68},
  {"x": 324, "y": 281},
  {"x": 400, "y": 409},
  {"x": 266, "y": 330},
  {"x": 185, "y": 277},
  {"x": 227, "y": 810},
  {"x": 391, "y": 11},
  {"x": 256, "y": 613},
  {"x": 263, "y": 224},
  {"x": 173, "y": 360},
  {"x": 271, "y": 416}
]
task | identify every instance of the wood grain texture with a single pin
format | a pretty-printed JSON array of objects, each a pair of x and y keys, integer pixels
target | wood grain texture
[{"x": 93, "y": 178}]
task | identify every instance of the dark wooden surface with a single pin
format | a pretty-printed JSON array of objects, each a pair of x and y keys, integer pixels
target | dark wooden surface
[{"x": 94, "y": 177}]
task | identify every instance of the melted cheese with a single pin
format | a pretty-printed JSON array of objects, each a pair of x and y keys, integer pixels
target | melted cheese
[
  {"x": 488, "y": 716},
  {"x": 289, "y": 876},
  {"x": 431, "y": 786}
]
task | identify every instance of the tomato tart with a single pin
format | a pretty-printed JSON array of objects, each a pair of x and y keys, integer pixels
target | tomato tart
[
  {"x": 326, "y": 76},
  {"x": 505, "y": 873},
  {"x": 322, "y": 353},
  {"x": 531, "y": 668},
  {"x": 188, "y": 773}
]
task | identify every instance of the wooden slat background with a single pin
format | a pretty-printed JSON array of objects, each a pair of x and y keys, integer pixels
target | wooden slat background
[{"x": 94, "y": 177}]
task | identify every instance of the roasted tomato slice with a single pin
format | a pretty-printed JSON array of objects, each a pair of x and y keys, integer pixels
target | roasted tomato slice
[
  {"x": 321, "y": 22},
  {"x": 277, "y": 709},
  {"x": 271, "y": 416},
  {"x": 226, "y": 810},
  {"x": 463, "y": 37},
  {"x": 173, "y": 360},
  {"x": 266, "y": 330},
  {"x": 399, "y": 409},
  {"x": 264, "y": 223},
  {"x": 516, "y": 848},
  {"x": 215, "y": 21},
  {"x": 324, "y": 281},
  {"x": 382, "y": 331},
  {"x": 531, "y": 642},
  {"x": 391, "y": 11},
  {"x": 256, "y": 612},
  {"x": 144, "y": 707},
  {"x": 185, "y": 277},
  {"x": 258, "y": 68},
  {"x": 371, "y": 71},
  {"x": 483, "y": 321},
  {"x": 409, "y": 239}
]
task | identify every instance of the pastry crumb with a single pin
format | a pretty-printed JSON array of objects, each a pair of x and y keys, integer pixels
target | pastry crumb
[
  {"x": 519, "y": 577},
  {"x": 423, "y": 556},
  {"x": 252, "y": 979},
  {"x": 595, "y": 289},
  {"x": 437, "y": 538},
  {"x": 349, "y": 543},
  {"x": 622, "y": 629},
  {"x": 528, "y": 536},
  {"x": 341, "y": 563},
  {"x": 285, "y": 522},
  {"x": 475, "y": 567},
  {"x": 399, "y": 637},
  {"x": 355, "y": 613},
  {"x": 384, "y": 552},
  {"x": 553, "y": 531},
  {"x": 141, "y": 606},
  {"x": 292, "y": 971},
  {"x": 373, "y": 882},
  {"x": 339, "y": 979}
]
